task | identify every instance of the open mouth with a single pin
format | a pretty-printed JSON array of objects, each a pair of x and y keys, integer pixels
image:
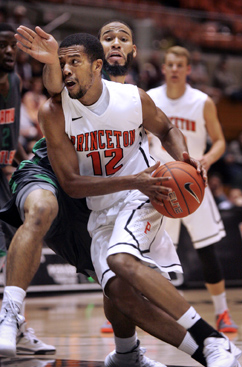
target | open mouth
[
  {"x": 115, "y": 57},
  {"x": 9, "y": 62},
  {"x": 69, "y": 83}
]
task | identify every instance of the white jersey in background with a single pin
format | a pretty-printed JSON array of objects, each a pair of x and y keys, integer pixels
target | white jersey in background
[{"x": 186, "y": 113}]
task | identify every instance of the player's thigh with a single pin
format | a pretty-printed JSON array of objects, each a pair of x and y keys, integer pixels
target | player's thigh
[
  {"x": 99, "y": 248},
  {"x": 137, "y": 225}
]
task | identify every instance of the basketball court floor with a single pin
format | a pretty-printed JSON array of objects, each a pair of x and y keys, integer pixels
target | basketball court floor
[{"x": 72, "y": 322}]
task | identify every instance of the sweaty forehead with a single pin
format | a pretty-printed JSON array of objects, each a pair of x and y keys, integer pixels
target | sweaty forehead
[
  {"x": 115, "y": 27},
  {"x": 72, "y": 51}
]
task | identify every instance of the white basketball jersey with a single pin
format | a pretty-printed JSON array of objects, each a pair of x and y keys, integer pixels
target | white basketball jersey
[
  {"x": 109, "y": 145},
  {"x": 186, "y": 113}
]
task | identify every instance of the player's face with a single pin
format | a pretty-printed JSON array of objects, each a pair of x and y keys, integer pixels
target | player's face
[
  {"x": 8, "y": 50},
  {"x": 77, "y": 70},
  {"x": 175, "y": 69},
  {"x": 119, "y": 50}
]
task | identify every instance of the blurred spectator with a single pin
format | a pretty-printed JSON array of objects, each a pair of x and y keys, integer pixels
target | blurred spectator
[
  {"x": 19, "y": 16},
  {"x": 29, "y": 126},
  {"x": 226, "y": 81},
  {"x": 234, "y": 200},
  {"x": 233, "y": 159},
  {"x": 235, "y": 148},
  {"x": 24, "y": 70},
  {"x": 235, "y": 196},
  {"x": 147, "y": 75},
  {"x": 151, "y": 75},
  {"x": 132, "y": 76},
  {"x": 199, "y": 76},
  {"x": 37, "y": 67},
  {"x": 3, "y": 14},
  {"x": 216, "y": 186},
  {"x": 155, "y": 60}
]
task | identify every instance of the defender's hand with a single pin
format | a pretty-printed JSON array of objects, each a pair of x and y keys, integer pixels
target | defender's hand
[{"x": 38, "y": 44}]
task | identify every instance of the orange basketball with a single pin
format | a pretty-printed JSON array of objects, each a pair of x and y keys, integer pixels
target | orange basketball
[{"x": 187, "y": 189}]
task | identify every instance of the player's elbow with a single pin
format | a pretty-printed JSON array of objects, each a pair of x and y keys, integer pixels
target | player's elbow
[
  {"x": 67, "y": 188},
  {"x": 71, "y": 188}
]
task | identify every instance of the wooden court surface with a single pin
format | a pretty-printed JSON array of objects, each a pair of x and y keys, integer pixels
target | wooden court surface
[{"x": 72, "y": 323}]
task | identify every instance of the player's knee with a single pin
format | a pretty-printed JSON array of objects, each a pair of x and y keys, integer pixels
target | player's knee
[
  {"x": 121, "y": 295},
  {"x": 40, "y": 215},
  {"x": 123, "y": 264},
  {"x": 212, "y": 269}
]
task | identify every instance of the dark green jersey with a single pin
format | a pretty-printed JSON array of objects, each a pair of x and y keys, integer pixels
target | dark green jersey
[{"x": 9, "y": 121}]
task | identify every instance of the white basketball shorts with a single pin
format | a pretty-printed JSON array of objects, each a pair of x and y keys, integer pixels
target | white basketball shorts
[
  {"x": 204, "y": 226},
  {"x": 131, "y": 226}
]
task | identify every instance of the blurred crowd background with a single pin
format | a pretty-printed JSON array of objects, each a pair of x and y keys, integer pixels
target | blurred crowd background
[{"x": 210, "y": 29}]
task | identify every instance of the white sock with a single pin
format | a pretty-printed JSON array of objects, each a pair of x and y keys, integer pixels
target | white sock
[
  {"x": 188, "y": 345},
  {"x": 220, "y": 303},
  {"x": 17, "y": 295},
  {"x": 124, "y": 345},
  {"x": 189, "y": 318}
]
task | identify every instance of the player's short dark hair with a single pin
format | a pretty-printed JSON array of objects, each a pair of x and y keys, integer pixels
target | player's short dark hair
[
  {"x": 91, "y": 44},
  {"x": 115, "y": 21},
  {"x": 5, "y": 27}
]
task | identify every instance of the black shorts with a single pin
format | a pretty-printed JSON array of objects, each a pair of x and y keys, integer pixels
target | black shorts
[
  {"x": 6, "y": 231},
  {"x": 68, "y": 235}
]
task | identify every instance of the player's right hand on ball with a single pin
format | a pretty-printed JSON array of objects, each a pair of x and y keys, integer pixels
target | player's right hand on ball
[
  {"x": 152, "y": 186},
  {"x": 198, "y": 165}
]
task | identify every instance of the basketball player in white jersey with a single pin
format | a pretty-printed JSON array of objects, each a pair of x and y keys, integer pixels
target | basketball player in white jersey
[
  {"x": 194, "y": 113},
  {"x": 119, "y": 49},
  {"x": 109, "y": 141}
]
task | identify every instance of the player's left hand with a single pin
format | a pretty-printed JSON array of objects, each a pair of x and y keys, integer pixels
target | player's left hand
[
  {"x": 198, "y": 165},
  {"x": 205, "y": 162}
]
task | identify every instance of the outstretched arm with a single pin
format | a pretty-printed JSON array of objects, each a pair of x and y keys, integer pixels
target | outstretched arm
[{"x": 44, "y": 48}]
